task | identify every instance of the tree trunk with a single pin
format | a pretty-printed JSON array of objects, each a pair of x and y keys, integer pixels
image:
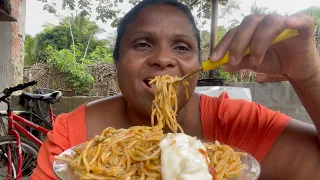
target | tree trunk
[
  {"x": 74, "y": 51},
  {"x": 89, "y": 41},
  {"x": 214, "y": 31}
]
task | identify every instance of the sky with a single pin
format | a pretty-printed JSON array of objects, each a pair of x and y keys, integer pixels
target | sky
[{"x": 36, "y": 17}]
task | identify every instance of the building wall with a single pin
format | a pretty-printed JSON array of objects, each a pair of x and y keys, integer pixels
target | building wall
[
  {"x": 6, "y": 65},
  {"x": 278, "y": 96},
  {"x": 11, "y": 47},
  {"x": 18, "y": 32}
]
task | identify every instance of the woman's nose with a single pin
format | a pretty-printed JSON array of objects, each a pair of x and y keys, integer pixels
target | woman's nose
[{"x": 162, "y": 58}]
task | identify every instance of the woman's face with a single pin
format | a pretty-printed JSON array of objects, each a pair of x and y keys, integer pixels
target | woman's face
[{"x": 160, "y": 41}]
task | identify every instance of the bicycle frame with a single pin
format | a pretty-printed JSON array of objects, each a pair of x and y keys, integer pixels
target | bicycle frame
[
  {"x": 16, "y": 119},
  {"x": 12, "y": 126},
  {"x": 52, "y": 116}
]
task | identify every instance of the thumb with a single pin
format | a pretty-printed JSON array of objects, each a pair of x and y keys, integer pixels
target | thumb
[{"x": 303, "y": 23}]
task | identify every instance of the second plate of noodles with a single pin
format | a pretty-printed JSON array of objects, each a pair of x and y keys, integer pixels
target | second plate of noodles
[{"x": 146, "y": 152}]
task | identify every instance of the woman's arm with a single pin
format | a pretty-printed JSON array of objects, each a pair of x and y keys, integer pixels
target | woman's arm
[{"x": 296, "y": 153}]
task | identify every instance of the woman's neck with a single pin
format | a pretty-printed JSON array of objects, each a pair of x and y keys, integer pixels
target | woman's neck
[{"x": 137, "y": 118}]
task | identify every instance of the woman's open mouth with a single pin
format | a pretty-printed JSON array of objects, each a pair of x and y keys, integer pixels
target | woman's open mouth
[{"x": 148, "y": 86}]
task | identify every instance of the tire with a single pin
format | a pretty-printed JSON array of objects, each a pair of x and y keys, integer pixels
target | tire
[{"x": 29, "y": 154}]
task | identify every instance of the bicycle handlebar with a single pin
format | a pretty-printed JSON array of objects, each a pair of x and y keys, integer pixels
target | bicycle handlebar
[{"x": 8, "y": 91}]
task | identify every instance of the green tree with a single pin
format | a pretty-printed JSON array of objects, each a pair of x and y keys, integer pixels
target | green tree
[
  {"x": 30, "y": 50},
  {"x": 101, "y": 54},
  {"x": 57, "y": 36},
  {"x": 74, "y": 71},
  {"x": 111, "y": 9},
  {"x": 205, "y": 40},
  {"x": 72, "y": 31},
  {"x": 82, "y": 30}
]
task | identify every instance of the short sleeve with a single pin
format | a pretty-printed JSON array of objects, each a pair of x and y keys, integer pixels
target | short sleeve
[
  {"x": 69, "y": 130},
  {"x": 56, "y": 143},
  {"x": 242, "y": 124}
]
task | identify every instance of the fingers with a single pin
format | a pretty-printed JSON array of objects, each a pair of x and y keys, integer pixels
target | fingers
[
  {"x": 303, "y": 23},
  {"x": 258, "y": 32},
  {"x": 268, "y": 29},
  {"x": 243, "y": 38},
  {"x": 236, "y": 40},
  {"x": 223, "y": 46}
]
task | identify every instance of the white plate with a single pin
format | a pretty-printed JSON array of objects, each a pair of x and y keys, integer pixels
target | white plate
[{"x": 251, "y": 169}]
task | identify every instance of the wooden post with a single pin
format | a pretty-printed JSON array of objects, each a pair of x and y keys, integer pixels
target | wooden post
[
  {"x": 108, "y": 89},
  {"x": 214, "y": 31}
]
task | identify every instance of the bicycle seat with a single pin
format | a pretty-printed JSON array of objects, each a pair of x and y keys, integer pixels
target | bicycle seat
[{"x": 50, "y": 97}]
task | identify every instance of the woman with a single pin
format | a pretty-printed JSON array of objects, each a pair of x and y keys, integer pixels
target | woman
[{"x": 159, "y": 37}]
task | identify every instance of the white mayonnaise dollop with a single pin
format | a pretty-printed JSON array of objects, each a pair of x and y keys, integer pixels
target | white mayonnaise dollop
[{"x": 183, "y": 157}]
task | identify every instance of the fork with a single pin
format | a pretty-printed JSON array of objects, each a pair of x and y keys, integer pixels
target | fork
[{"x": 209, "y": 65}]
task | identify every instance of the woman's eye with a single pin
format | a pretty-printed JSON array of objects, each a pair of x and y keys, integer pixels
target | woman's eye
[
  {"x": 182, "y": 48},
  {"x": 141, "y": 46}
]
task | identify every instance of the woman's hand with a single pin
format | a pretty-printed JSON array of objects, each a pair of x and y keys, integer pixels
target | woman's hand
[{"x": 296, "y": 58}]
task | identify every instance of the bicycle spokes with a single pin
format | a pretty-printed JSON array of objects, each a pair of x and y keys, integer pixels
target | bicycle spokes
[{"x": 29, "y": 162}]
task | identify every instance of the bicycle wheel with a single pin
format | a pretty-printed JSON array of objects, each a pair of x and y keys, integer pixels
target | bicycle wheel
[{"x": 29, "y": 156}]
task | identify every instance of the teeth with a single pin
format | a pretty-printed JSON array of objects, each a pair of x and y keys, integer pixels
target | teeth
[
  {"x": 147, "y": 81},
  {"x": 152, "y": 86}
]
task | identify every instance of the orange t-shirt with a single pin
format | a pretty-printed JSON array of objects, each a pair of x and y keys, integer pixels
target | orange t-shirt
[{"x": 239, "y": 123}]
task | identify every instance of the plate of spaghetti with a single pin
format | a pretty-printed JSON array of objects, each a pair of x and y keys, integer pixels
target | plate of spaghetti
[{"x": 146, "y": 152}]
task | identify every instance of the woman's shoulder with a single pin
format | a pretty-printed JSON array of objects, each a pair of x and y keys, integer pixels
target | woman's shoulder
[
  {"x": 103, "y": 113},
  {"x": 103, "y": 106},
  {"x": 75, "y": 124},
  {"x": 107, "y": 101}
]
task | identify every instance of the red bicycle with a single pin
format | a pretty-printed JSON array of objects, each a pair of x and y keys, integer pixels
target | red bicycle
[{"x": 18, "y": 154}]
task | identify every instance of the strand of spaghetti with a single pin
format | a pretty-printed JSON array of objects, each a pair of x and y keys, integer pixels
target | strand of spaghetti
[
  {"x": 114, "y": 146},
  {"x": 215, "y": 157},
  {"x": 96, "y": 154},
  {"x": 155, "y": 153},
  {"x": 104, "y": 156},
  {"x": 121, "y": 138},
  {"x": 152, "y": 167},
  {"x": 150, "y": 174},
  {"x": 153, "y": 114},
  {"x": 143, "y": 176},
  {"x": 131, "y": 172},
  {"x": 84, "y": 156},
  {"x": 66, "y": 159},
  {"x": 114, "y": 158},
  {"x": 127, "y": 158},
  {"x": 175, "y": 102}
]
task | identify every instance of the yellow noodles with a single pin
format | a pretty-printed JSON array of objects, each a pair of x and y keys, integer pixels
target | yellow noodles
[
  {"x": 224, "y": 161},
  {"x": 134, "y": 153},
  {"x": 165, "y": 103}
]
